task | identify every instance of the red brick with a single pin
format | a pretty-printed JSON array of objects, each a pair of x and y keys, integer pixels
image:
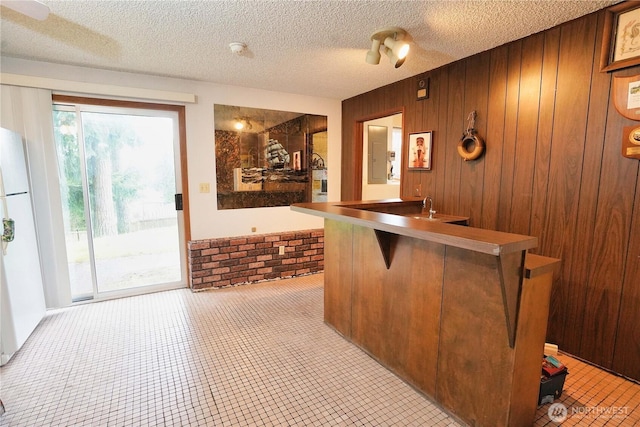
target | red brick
[
  {"x": 229, "y": 262},
  {"x": 218, "y": 243},
  {"x": 198, "y": 245},
  {"x": 199, "y": 260},
  {"x": 237, "y": 255},
  {"x": 218, "y": 262},
  {"x": 237, "y": 268},
  {"x": 201, "y": 273}
]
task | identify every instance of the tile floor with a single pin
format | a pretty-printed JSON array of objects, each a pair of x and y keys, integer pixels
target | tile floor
[
  {"x": 593, "y": 397},
  {"x": 255, "y": 355}
]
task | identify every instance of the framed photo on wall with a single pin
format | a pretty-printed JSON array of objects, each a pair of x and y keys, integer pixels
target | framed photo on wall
[
  {"x": 621, "y": 37},
  {"x": 297, "y": 160},
  {"x": 420, "y": 144}
]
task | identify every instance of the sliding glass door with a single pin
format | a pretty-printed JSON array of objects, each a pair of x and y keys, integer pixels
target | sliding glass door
[{"x": 119, "y": 171}]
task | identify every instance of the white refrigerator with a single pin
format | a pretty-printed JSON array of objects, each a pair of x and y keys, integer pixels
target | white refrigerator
[{"x": 22, "y": 295}]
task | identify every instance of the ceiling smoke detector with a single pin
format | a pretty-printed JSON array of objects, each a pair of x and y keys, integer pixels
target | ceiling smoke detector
[{"x": 237, "y": 47}]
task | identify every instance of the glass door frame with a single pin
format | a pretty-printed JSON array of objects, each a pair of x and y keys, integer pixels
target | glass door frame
[{"x": 80, "y": 104}]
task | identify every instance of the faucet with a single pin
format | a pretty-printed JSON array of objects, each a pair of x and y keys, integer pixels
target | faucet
[{"x": 424, "y": 206}]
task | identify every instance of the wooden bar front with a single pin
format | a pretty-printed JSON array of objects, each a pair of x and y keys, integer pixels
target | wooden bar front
[{"x": 465, "y": 327}]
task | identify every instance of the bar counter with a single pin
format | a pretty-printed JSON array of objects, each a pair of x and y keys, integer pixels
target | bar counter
[{"x": 458, "y": 312}]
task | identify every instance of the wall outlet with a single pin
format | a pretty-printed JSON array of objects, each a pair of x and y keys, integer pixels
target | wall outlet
[
  {"x": 417, "y": 190},
  {"x": 281, "y": 250},
  {"x": 253, "y": 229},
  {"x": 205, "y": 187}
]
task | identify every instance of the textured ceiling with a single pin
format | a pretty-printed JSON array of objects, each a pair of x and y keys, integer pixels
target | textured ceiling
[{"x": 313, "y": 48}]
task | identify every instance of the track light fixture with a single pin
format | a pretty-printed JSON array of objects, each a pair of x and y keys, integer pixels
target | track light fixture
[{"x": 392, "y": 40}]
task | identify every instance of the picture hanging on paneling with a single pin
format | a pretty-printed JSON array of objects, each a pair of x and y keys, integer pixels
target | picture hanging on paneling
[
  {"x": 621, "y": 37},
  {"x": 420, "y": 150}
]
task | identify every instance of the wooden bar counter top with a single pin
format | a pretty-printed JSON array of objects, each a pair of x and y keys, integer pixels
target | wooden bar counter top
[{"x": 458, "y": 312}]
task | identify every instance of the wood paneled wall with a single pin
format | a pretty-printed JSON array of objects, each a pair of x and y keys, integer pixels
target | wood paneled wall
[{"x": 552, "y": 168}]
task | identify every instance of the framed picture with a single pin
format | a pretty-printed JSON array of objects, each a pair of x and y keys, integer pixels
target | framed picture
[
  {"x": 420, "y": 150},
  {"x": 297, "y": 160},
  {"x": 621, "y": 37}
]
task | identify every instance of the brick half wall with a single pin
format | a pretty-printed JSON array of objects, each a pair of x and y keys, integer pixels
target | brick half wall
[{"x": 230, "y": 261}]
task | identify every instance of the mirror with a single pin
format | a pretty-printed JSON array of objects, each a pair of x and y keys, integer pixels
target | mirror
[{"x": 268, "y": 157}]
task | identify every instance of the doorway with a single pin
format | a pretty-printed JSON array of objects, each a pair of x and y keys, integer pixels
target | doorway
[
  {"x": 120, "y": 172},
  {"x": 381, "y": 157}
]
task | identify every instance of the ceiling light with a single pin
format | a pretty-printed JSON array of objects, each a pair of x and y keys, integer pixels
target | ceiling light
[
  {"x": 392, "y": 40},
  {"x": 373, "y": 56},
  {"x": 31, "y": 8},
  {"x": 396, "y": 51},
  {"x": 241, "y": 123}
]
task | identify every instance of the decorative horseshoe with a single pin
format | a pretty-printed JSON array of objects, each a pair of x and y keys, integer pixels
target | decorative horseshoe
[{"x": 467, "y": 140}]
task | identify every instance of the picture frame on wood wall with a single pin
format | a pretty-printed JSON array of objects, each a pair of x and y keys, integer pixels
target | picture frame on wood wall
[
  {"x": 420, "y": 144},
  {"x": 621, "y": 37},
  {"x": 297, "y": 160}
]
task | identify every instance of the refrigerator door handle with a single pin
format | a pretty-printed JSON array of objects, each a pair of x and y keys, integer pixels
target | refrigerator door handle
[
  {"x": 8, "y": 225},
  {"x": 8, "y": 230}
]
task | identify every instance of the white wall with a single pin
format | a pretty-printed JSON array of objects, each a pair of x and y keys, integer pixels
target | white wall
[{"x": 206, "y": 220}]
